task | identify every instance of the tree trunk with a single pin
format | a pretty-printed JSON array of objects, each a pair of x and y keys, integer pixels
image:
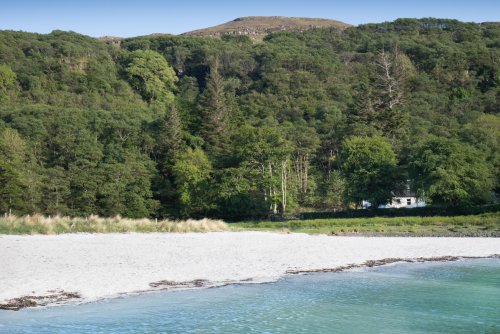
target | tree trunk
[
  {"x": 271, "y": 190},
  {"x": 306, "y": 171},
  {"x": 262, "y": 169},
  {"x": 283, "y": 186}
]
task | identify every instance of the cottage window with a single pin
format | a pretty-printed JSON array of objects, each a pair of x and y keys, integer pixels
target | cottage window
[{"x": 408, "y": 201}]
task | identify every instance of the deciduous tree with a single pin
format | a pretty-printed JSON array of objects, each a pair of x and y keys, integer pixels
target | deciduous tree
[
  {"x": 370, "y": 167},
  {"x": 151, "y": 75},
  {"x": 452, "y": 173}
]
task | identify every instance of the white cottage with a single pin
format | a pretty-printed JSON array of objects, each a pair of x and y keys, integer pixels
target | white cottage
[
  {"x": 400, "y": 199},
  {"x": 404, "y": 199}
]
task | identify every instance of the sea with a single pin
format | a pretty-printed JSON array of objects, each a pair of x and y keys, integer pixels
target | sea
[{"x": 432, "y": 297}]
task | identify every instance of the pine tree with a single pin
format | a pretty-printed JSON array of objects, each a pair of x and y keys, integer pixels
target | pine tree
[
  {"x": 170, "y": 140},
  {"x": 12, "y": 172},
  {"x": 169, "y": 147},
  {"x": 215, "y": 111}
]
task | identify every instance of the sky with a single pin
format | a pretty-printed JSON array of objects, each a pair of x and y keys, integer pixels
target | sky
[{"x": 127, "y": 18}]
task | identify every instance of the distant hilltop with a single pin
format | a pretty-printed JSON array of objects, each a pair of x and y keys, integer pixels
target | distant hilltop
[
  {"x": 256, "y": 27},
  {"x": 490, "y": 23},
  {"x": 110, "y": 39}
]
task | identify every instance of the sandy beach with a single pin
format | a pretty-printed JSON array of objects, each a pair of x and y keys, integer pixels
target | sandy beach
[{"x": 98, "y": 266}]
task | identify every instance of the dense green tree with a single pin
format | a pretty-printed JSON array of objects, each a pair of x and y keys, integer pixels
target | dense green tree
[
  {"x": 180, "y": 126},
  {"x": 305, "y": 141},
  {"x": 187, "y": 101},
  {"x": 168, "y": 146},
  {"x": 56, "y": 191},
  {"x": 169, "y": 141},
  {"x": 266, "y": 152},
  {"x": 451, "y": 172},
  {"x": 126, "y": 188},
  {"x": 238, "y": 195},
  {"x": 12, "y": 169},
  {"x": 192, "y": 172},
  {"x": 370, "y": 167},
  {"x": 484, "y": 134},
  {"x": 151, "y": 75},
  {"x": 7, "y": 77},
  {"x": 216, "y": 111},
  {"x": 334, "y": 192},
  {"x": 362, "y": 116},
  {"x": 7, "y": 80}
]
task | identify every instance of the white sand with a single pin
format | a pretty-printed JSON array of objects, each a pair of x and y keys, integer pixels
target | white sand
[{"x": 104, "y": 265}]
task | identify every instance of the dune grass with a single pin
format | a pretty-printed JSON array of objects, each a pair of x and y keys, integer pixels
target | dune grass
[
  {"x": 487, "y": 224},
  {"x": 38, "y": 224}
]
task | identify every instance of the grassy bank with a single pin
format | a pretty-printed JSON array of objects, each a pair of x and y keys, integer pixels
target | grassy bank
[
  {"x": 487, "y": 224},
  {"x": 37, "y": 224}
]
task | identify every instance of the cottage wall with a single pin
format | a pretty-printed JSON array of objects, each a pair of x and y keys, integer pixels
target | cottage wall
[
  {"x": 405, "y": 202},
  {"x": 398, "y": 202}
]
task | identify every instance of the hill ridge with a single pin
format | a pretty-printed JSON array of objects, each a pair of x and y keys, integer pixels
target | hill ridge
[{"x": 256, "y": 27}]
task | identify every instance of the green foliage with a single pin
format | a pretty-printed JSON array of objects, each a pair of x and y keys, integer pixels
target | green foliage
[
  {"x": 126, "y": 187},
  {"x": 483, "y": 225},
  {"x": 191, "y": 173},
  {"x": 169, "y": 140},
  {"x": 7, "y": 78},
  {"x": 217, "y": 111},
  {"x": 37, "y": 224},
  {"x": 151, "y": 75},
  {"x": 238, "y": 195},
  {"x": 180, "y": 126},
  {"x": 265, "y": 153},
  {"x": 12, "y": 160},
  {"x": 428, "y": 211},
  {"x": 369, "y": 165},
  {"x": 335, "y": 191},
  {"x": 452, "y": 172}
]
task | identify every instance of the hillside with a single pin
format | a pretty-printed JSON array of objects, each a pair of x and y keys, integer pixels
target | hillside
[
  {"x": 256, "y": 27},
  {"x": 182, "y": 126}
]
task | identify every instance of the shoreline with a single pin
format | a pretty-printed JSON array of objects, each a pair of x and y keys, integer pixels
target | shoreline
[
  {"x": 80, "y": 268},
  {"x": 60, "y": 298}
]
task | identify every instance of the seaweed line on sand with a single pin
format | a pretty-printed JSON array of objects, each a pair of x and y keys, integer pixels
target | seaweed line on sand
[
  {"x": 57, "y": 297},
  {"x": 377, "y": 263}
]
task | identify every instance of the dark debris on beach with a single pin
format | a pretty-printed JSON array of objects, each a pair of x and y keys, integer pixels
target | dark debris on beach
[{"x": 55, "y": 297}]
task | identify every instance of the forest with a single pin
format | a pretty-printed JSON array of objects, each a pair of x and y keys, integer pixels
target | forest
[{"x": 175, "y": 126}]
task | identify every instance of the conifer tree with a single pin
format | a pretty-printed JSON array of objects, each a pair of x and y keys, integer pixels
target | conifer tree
[
  {"x": 215, "y": 111},
  {"x": 169, "y": 140}
]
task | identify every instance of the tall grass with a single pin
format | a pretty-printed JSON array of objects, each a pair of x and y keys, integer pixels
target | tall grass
[
  {"x": 38, "y": 224},
  {"x": 475, "y": 225},
  {"x": 487, "y": 224}
]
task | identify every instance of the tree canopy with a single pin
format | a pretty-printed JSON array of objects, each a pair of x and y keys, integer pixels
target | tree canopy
[
  {"x": 370, "y": 167},
  {"x": 149, "y": 73},
  {"x": 452, "y": 172},
  {"x": 180, "y": 126}
]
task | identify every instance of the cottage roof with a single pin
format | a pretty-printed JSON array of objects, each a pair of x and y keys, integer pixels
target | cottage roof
[{"x": 404, "y": 193}]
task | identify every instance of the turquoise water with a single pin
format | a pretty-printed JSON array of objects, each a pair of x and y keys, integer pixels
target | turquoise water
[{"x": 451, "y": 297}]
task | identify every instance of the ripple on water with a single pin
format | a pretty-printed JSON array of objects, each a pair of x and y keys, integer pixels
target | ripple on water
[{"x": 452, "y": 297}]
